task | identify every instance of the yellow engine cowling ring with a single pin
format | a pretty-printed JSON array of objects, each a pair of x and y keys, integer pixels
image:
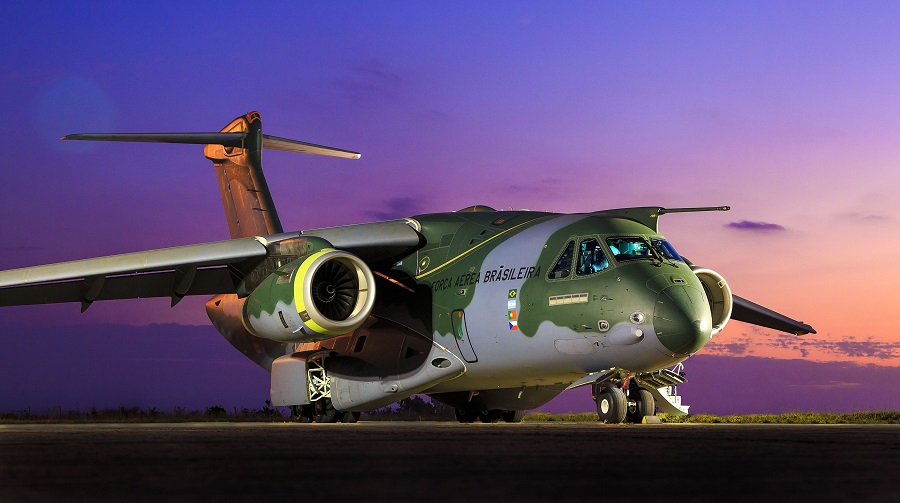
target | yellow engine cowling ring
[{"x": 324, "y": 295}]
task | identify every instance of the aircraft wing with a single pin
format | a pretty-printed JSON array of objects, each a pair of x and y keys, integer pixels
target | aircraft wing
[
  {"x": 200, "y": 269},
  {"x": 749, "y": 312},
  {"x": 185, "y": 270}
]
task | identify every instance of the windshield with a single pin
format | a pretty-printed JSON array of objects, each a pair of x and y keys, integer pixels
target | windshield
[
  {"x": 630, "y": 248},
  {"x": 665, "y": 250},
  {"x": 563, "y": 264},
  {"x": 591, "y": 258}
]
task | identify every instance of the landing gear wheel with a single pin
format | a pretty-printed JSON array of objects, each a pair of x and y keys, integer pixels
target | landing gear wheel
[
  {"x": 513, "y": 416},
  {"x": 302, "y": 413},
  {"x": 611, "y": 405},
  {"x": 644, "y": 405},
  {"x": 324, "y": 411},
  {"x": 491, "y": 416},
  {"x": 466, "y": 416},
  {"x": 350, "y": 417}
]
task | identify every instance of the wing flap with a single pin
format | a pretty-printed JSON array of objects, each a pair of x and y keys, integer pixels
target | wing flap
[
  {"x": 169, "y": 272},
  {"x": 210, "y": 281}
]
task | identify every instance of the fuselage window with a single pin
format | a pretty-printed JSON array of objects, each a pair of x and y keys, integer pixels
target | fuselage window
[
  {"x": 591, "y": 258},
  {"x": 665, "y": 250},
  {"x": 563, "y": 265},
  {"x": 630, "y": 248}
]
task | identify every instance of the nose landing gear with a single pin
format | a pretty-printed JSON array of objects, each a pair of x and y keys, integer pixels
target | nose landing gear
[{"x": 615, "y": 405}]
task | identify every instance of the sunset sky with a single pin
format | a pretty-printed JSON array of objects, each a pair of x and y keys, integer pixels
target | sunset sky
[{"x": 789, "y": 112}]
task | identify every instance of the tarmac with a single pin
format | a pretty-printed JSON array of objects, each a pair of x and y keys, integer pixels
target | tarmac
[{"x": 437, "y": 462}]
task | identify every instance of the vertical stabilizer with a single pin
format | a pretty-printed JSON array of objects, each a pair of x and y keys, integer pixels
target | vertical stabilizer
[
  {"x": 235, "y": 152},
  {"x": 248, "y": 204}
]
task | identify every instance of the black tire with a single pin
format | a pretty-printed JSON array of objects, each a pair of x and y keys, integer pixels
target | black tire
[
  {"x": 644, "y": 405},
  {"x": 491, "y": 416},
  {"x": 513, "y": 416},
  {"x": 350, "y": 417},
  {"x": 611, "y": 405},
  {"x": 324, "y": 411},
  {"x": 302, "y": 413},
  {"x": 466, "y": 416}
]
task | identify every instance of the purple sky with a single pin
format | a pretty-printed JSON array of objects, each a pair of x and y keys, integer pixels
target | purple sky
[{"x": 787, "y": 111}]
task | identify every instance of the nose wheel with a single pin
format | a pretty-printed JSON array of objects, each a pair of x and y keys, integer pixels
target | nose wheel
[
  {"x": 640, "y": 403},
  {"x": 611, "y": 404}
]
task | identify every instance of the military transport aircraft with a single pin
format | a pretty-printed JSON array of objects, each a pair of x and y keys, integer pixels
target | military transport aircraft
[{"x": 491, "y": 312}]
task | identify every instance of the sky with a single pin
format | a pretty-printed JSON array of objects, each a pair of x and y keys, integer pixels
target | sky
[{"x": 789, "y": 112}]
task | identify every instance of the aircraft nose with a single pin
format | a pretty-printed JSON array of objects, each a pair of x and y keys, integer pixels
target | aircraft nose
[{"x": 682, "y": 319}]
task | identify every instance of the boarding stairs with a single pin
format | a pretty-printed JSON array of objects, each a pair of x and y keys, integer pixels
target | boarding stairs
[{"x": 663, "y": 385}]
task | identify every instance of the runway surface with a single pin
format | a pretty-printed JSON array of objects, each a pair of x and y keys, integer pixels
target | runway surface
[{"x": 436, "y": 462}]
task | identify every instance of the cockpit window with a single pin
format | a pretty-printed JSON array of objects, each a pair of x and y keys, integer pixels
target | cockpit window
[
  {"x": 665, "y": 250},
  {"x": 630, "y": 248},
  {"x": 590, "y": 258},
  {"x": 563, "y": 265}
]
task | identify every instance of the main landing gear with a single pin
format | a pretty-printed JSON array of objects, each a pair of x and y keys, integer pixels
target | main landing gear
[
  {"x": 615, "y": 405},
  {"x": 322, "y": 411},
  {"x": 489, "y": 416}
]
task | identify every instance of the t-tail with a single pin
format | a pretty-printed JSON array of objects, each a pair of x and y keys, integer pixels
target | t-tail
[{"x": 236, "y": 154}]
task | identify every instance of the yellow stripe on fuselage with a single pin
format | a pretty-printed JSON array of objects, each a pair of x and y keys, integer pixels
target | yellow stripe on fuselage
[{"x": 479, "y": 245}]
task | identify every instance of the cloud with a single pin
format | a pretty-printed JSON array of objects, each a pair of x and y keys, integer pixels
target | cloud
[
  {"x": 871, "y": 349},
  {"x": 748, "y": 225},
  {"x": 377, "y": 70},
  {"x": 848, "y": 347},
  {"x": 862, "y": 217},
  {"x": 397, "y": 207},
  {"x": 370, "y": 81},
  {"x": 735, "y": 348}
]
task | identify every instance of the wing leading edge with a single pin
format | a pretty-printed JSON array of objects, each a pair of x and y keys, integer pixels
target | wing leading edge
[{"x": 202, "y": 269}]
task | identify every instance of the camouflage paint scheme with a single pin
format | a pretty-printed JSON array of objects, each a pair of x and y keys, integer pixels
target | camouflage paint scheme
[
  {"x": 470, "y": 307},
  {"x": 473, "y": 262}
]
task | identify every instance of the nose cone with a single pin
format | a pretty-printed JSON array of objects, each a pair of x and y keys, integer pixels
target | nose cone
[{"x": 682, "y": 319}]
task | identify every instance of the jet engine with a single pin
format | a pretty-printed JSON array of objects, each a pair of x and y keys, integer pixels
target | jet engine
[
  {"x": 718, "y": 294},
  {"x": 317, "y": 297}
]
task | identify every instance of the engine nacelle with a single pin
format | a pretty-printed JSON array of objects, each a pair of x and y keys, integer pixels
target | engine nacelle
[
  {"x": 718, "y": 294},
  {"x": 323, "y": 295}
]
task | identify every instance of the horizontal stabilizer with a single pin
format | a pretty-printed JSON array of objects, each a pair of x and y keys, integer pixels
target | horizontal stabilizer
[
  {"x": 235, "y": 139},
  {"x": 749, "y": 312},
  {"x": 276, "y": 143},
  {"x": 224, "y": 139}
]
